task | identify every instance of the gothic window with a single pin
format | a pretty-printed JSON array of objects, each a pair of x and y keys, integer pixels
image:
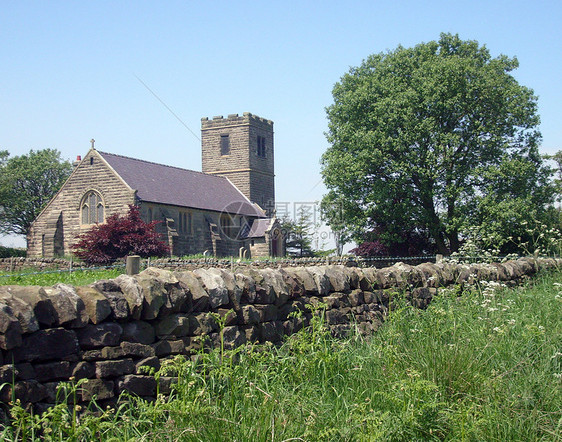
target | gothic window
[
  {"x": 227, "y": 225},
  {"x": 261, "y": 147},
  {"x": 188, "y": 224},
  {"x": 185, "y": 223},
  {"x": 92, "y": 208},
  {"x": 225, "y": 145}
]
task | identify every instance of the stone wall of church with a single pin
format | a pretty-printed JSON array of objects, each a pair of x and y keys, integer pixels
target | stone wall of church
[
  {"x": 56, "y": 227},
  {"x": 192, "y": 233},
  {"x": 244, "y": 166}
]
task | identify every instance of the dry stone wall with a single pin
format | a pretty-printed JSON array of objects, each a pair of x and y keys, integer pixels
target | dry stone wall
[
  {"x": 107, "y": 331},
  {"x": 16, "y": 264}
]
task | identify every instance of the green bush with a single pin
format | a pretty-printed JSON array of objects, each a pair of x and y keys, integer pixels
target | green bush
[{"x": 8, "y": 252}]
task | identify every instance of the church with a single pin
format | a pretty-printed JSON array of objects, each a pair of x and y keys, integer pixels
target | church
[{"x": 225, "y": 210}]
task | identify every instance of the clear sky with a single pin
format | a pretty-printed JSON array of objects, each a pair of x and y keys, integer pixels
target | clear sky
[{"x": 72, "y": 71}]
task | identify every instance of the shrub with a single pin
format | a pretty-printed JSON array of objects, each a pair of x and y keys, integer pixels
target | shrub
[
  {"x": 409, "y": 243},
  {"x": 118, "y": 237},
  {"x": 8, "y": 252}
]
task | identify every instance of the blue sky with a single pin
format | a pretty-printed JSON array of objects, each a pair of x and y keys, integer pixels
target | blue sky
[{"x": 70, "y": 70}]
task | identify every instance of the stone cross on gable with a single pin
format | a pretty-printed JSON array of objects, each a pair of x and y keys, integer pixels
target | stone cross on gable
[{"x": 92, "y": 141}]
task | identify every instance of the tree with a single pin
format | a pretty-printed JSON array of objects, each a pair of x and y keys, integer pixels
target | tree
[
  {"x": 332, "y": 211},
  {"x": 297, "y": 234},
  {"x": 118, "y": 237},
  {"x": 419, "y": 137},
  {"x": 27, "y": 183}
]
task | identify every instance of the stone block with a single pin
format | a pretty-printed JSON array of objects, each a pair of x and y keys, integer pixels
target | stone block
[
  {"x": 275, "y": 285},
  {"x": 339, "y": 278},
  {"x": 174, "y": 325},
  {"x": 136, "y": 350},
  {"x": 83, "y": 370},
  {"x": 319, "y": 274},
  {"x": 215, "y": 286},
  {"x": 92, "y": 355},
  {"x": 296, "y": 289},
  {"x": 250, "y": 315},
  {"x": 271, "y": 331},
  {"x": 228, "y": 315},
  {"x": 117, "y": 300},
  {"x": 25, "y": 371},
  {"x": 97, "y": 306},
  {"x": 52, "y": 371},
  {"x": 247, "y": 286},
  {"x": 44, "y": 345},
  {"x": 10, "y": 328},
  {"x": 267, "y": 312},
  {"x": 203, "y": 324},
  {"x": 199, "y": 297},
  {"x": 98, "y": 389},
  {"x": 69, "y": 308},
  {"x": 111, "y": 369},
  {"x": 153, "y": 292},
  {"x": 99, "y": 335},
  {"x": 132, "y": 293},
  {"x": 336, "y": 317},
  {"x": 150, "y": 362},
  {"x": 166, "y": 383},
  {"x": 304, "y": 278},
  {"x": 292, "y": 326},
  {"x": 229, "y": 280},
  {"x": 139, "y": 385},
  {"x": 138, "y": 331},
  {"x": 356, "y": 298},
  {"x": 34, "y": 296},
  {"x": 26, "y": 391},
  {"x": 233, "y": 337},
  {"x": 252, "y": 333},
  {"x": 167, "y": 347}
]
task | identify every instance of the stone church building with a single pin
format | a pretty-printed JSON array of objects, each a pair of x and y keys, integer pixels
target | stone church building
[{"x": 226, "y": 210}]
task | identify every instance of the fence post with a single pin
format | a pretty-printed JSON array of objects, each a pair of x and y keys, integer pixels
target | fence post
[
  {"x": 133, "y": 265},
  {"x": 438, "y": 258}
]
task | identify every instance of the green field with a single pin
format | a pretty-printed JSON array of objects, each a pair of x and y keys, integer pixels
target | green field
[
  {"x": 47, "y": 278},
  {"x": 483, "y": 366}
]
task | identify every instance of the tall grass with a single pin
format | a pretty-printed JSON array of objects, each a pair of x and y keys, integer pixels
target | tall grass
[
  {"x": 486, "y": 365},
  {"x": 47, "y": 278}
]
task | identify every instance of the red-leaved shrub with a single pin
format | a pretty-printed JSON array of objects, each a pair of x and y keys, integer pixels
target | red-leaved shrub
[{"x": 118, "y": 237}]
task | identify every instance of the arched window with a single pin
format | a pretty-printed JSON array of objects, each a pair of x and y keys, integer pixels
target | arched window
[{"x": 92, "y": 208}]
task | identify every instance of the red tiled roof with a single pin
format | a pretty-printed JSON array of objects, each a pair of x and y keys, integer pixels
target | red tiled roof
[{"x": 163, "y": 184}]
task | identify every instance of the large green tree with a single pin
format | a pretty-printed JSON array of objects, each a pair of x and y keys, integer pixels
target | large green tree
[
  {"x": 429, "y": 138},
  {"x": 27, "y": 183}
]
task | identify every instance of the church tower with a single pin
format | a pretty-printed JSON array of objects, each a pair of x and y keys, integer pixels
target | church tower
[{"x": 241, "y": 149}]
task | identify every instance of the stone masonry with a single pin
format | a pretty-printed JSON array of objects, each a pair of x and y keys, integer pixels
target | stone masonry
[
  {"x": 107, "y": 331},
  {"x": 250, "y": 172},
  {"x": 55, "y": 228}
]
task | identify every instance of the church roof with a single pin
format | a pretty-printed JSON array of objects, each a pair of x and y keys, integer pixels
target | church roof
[
  {"x": 158, "y": 183},
  {"x": 258, "y": 228}
]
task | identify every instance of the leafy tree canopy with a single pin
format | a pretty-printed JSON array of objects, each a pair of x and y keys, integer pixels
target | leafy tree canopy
[
  {"x": 118, "y": 237},
  {"x": 27, "y": 183},
  {"x": 432, "y": 138}
]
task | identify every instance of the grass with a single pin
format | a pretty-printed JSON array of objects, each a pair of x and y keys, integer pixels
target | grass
[
  {"x": 483, "y": 366},
  {"x": 77, "y": 277}
]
